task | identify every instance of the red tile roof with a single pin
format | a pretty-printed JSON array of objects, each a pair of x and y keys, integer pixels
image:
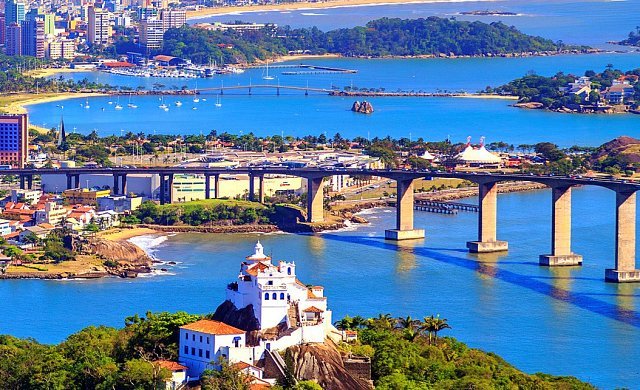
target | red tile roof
[
  {"x": 169, "y": 365},
  {"x": 212, "y": 327},
  {"x": 313, "y": 309}
]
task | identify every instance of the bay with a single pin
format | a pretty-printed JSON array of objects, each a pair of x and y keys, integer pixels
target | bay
[{"x": 563, "y": 321}]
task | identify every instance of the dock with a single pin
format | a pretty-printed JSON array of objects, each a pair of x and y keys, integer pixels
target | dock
[{"x": 447, "y": 205}]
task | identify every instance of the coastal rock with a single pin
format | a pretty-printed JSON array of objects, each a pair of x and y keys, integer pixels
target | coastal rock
[
  {"x": 530, "y": 105},
  {"x": 358, "y": 219},
  {"x": 121, "y": 251},
  {"x": 323, "y": 364},
  {"x": 243, "y": 319},
  {"x": 364, "y": 108}
]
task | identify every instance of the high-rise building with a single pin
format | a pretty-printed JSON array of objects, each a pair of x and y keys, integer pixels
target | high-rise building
[
  {"x": 14, "y": 11},
  {"x": 14, "y": 140},
  {"x": 47, "y": 18},
  {"x": 33, "y": 38},
  {"x": 3, "y": 27},
  {"x": 61, "y": 48},
  {"x": 13, "y": 43},
  {"x": 99, "y": 26},
  {"x": 173, "y": 18},
  {"x": 151, "y": 34}
]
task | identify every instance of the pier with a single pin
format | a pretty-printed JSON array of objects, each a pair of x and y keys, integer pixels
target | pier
[{"x": 624, "y": 264}]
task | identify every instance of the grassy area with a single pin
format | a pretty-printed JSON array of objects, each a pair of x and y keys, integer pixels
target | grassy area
[
  {"x": 209, "y": 203},
  {"x": 390, "y": 188},
  {"x": 82, "y": 264}
]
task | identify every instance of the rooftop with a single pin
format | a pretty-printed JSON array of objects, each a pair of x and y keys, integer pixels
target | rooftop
[{"x": 212, "y": 327}]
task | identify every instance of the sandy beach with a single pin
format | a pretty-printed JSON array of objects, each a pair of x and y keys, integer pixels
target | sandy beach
[
  {"x": 206, "y": 12},
  {"x": 47, "y": 72},
  {"x": 125, "y": 234},
  {"x": 16, "y": 104}
]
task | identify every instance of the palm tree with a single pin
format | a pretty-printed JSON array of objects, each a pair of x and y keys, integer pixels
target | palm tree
[
  {"x": 383, "y": 321},
  {"x": 432, "y": 325},
  {"x": 344, "y": 324},
  {"x": 406, "y": 322}
]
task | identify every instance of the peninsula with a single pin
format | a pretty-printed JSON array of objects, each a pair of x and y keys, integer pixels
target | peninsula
[{"x": 271, "y": 331}]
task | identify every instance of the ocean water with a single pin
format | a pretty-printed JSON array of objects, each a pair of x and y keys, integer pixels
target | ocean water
[
  {"x": 293, "y": 113},
  {"x": 563, "y": 321}
]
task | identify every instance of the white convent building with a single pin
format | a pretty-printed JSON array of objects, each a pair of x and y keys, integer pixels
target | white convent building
[{"x": 288, "y": 313}]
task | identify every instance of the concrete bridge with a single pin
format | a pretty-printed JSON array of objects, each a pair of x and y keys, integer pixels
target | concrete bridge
[{"x": 487, "y": 240}]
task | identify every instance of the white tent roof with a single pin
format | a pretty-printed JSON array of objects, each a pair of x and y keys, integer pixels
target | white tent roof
[
  {"x": 480, "y": 155},
  {"x": 427, "y": 156}
]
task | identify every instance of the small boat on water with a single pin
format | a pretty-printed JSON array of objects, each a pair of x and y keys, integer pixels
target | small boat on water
[
  {"x": 163, "y": 106},
  {"x": 266, "y": 76},
  {"x": 218, "y": 101},
  {"x": 178, "y": 103},
  {"x": 131, "y": 105},
  {"x": 86, "y": 104},
  {"x": 118, "y": 106}
]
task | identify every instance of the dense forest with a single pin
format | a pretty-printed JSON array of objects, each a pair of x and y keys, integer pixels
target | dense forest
[
  {"x": 633, "y": 39},
  {"x": 405, "y": 353},
  {"x": 379, "y": 38}
]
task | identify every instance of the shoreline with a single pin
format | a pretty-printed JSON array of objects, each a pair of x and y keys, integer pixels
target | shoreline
[
  {"x": 23, "y": 100},
  {"x": 235, "y": 10}
]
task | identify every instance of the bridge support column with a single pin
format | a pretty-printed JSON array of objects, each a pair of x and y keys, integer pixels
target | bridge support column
[
  {"x": 22, "y": 182},
  {"x": 404, "y": 214},
  {"x": 124, "y": 184},
  {"x": 30, "y": 182},
  {"x": 166, "y": 188},
  {"x": 216, "y": 183},
  {"x": 487, "y": 221},
  {"x": 315, "y": 196},
  {"x": 561, "y": 254},
  {"x": 261, "y": 189},
  {"x": 73, "y": 180},
  {"x": 207, "y": 186},
  {"x": 625, "y": 270},
  {"x": 116, "y": 184},
  {"x": 162, "y": 189},
  {"x": 252, "y": 189},
  {"x": 68, "y": 181}
]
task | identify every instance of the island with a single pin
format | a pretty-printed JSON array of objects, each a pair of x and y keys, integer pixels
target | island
[
  {"x": 488, "y": 13},
  {"x": 385, "y": 37},
  {"x": 610, "y": 91},
  {"x": 633, "y": 39}
]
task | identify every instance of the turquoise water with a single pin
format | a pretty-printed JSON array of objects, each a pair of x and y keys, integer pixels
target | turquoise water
[
  {"x": 562, "y": 321},
  {"x": 264, "y": 113}
]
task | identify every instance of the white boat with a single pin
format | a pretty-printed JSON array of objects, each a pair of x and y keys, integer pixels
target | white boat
[
  {"x": 166, "y": 108},
  {"x": 163, "y": 106},
  {"x": 266, "y": 76},
  {"x": 118, "y": 106},
  {"x": 195, "y": 91},
  {"x": 194, "y": 108},
  {"x": 86, "y": 104},
  {"x": 178, "y": 103},
  {"x": 131, "y": 105},
  {"x": 110, "y": 102},
  {"x": 218, "y": 102}
]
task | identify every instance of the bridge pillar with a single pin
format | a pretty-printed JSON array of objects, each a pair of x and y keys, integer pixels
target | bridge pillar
[
  {"x": 315, "y": 197},
  {"x": 124, "y": 184},
  {"x": 76, "y": 178},
  {"x": 487, "y": 221},
  {"x": 404, "y": 214},
  {"x": 22, "y": 182},
  {"x": 261, "y": 189},
  {"x": 625, "y": 268},
  {"x": 116, "y": 184},
  {"x": 216, "y": 183},
  {"x": 207, "y": 186},
  {"x": 561, "y": 230},
  {"x": 68, "y": 181},
  {"x": 30, "y": 182},
  {"x": 252, "y": 189},
  {"x": 73, "y": 180},
  {"x": 166, "y": 185}
]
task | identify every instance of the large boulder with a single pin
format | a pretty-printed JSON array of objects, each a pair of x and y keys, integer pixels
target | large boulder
[
  {"x": 322, "y": 363},
  {"x": 363, "y": 108}
]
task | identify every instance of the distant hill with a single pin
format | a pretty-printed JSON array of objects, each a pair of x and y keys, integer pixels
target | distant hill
[
  {"x": 627, "y": 148},
  {"x": 383, "y": 37},
  {"x": 633, "y": 39}
]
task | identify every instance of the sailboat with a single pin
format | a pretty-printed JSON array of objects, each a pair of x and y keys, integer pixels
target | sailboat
[
  {"x": 118, "y": 106},
  {"x": 131, "y": 105},
  {"x": 178, "y": 103},
  {"x": 195, "y": 98},
  {"x": 266, "y": 76},
  {"x": 218, "y": 102},
  {"x": 163, "y": 106},
  {"x": 86, "y": 104}
]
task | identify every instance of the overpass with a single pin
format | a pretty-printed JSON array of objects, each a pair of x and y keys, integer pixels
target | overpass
[{"x": 487, "y": 241}]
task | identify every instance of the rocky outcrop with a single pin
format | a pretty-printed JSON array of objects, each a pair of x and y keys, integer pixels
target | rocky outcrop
[
  {"x": 363, "y": 108},
  {"x": 243, "y": 318},
  {"x": 530, "y": 105},
  {"x": 323, "y": 364},
  {"x": 121, "y": 251}
]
